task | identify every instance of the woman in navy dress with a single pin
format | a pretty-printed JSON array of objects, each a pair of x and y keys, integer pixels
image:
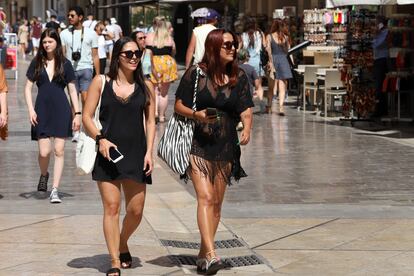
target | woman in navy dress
[
  {"x": 51, "y": 117},
  {"x": 126, "y": 102}
]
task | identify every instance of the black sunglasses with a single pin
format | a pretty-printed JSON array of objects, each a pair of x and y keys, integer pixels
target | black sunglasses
[
  {"x": 228, "y": 45},
  {"x": 142, "y": 37},
  {"x": 130, "y": 54},
  {"x": 71, "y": 15}
]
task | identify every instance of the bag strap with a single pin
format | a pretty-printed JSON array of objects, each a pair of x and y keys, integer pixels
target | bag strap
[
  {"x": 98, "y": 107},
  {"x": 196, "y": 88}
]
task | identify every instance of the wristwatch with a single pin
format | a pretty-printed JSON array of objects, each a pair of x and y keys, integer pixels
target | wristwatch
[{"x": 99, "y": 137}]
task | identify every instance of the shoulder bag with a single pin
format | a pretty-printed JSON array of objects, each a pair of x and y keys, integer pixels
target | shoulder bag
[
  {"x": 175, "y": 144},
  {"x": 86, "y": 148}
]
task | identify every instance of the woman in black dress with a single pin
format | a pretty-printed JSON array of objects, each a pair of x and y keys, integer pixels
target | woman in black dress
[
  {"x": 51, "y": 117},
  {"x": 215, "y": 151},
  {"x": 126, "y": 101}
]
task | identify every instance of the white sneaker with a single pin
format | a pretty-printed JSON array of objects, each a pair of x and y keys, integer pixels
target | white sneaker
[
  {"x": 75, "y": 137},
  {"x": 54, "y": 196}
]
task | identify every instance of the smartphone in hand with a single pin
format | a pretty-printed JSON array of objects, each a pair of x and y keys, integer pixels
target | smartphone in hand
[
  {"x": 211, "y": 112},
  {"x": 115, "y": 155}
]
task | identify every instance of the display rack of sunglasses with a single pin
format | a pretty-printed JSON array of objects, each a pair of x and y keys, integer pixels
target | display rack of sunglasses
[{"x": 357, "y": 73}]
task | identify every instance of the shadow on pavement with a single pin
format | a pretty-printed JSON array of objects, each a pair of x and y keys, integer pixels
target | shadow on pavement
[
  {"x": 99, "y": 262},
  {"x": 1, "y": 196},
  {"x": 174, "y": 260},
  {"x": 42, "y": 195}
]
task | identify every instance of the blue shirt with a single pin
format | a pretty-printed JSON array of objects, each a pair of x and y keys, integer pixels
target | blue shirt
[{"x": 379, "y": 44}]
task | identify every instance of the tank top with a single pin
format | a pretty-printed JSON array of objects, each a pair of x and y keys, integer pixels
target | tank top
[{"x": 200, "y": 34}]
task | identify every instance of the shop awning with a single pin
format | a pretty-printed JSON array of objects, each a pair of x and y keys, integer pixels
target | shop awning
[
  {"x": 337, "y": 3},
  {"x": 141, "y": 2}
]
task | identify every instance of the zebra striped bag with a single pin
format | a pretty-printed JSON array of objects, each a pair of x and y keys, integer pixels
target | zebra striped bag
[{"x": 175, "y": 144}]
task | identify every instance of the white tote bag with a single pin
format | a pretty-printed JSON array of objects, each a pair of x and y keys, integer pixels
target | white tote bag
[{"x": 86, "y": 149}]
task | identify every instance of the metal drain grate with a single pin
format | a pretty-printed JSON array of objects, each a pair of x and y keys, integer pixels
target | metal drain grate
[
  {"x": 243, "y": 261},
  {"x": 231, "y": 262},
  {"x": 233, "y": 243}
]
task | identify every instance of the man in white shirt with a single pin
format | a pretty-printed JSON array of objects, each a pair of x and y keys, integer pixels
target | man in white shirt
[
  {"x": 80, "y": 46},
  {"x": 196, "y": 47},
  {"x": 115, "y": 29},
  {"x": 90, "y": 22}
]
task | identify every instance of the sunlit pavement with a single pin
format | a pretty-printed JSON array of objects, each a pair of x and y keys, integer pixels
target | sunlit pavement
[{"x": 321, "y": 199}]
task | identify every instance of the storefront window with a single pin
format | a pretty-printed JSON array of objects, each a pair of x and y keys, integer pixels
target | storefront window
[{"x": 145, "y": 14}]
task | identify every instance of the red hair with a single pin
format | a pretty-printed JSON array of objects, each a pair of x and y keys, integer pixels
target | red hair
[{"x": 211, "y": 60}]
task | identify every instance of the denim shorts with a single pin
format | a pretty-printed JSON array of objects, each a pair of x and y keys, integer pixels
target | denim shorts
[{"x": 83, "y": 79}]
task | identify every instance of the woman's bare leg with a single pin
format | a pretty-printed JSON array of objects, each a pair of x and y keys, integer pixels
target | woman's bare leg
[
  {"x": 111, "y": 200},
  {"x": 45, "y": 149},
  {"x": 163, "y": 100},
  {"x": 59, "y": 161}
]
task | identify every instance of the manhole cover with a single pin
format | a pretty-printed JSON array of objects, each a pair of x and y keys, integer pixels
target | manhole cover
[
  {"x": 238, "y": 261},
  {"x": 232, "y": 243}
]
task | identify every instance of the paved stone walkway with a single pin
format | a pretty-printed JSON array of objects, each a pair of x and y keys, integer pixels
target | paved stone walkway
[{"x": 320, "y": 199}]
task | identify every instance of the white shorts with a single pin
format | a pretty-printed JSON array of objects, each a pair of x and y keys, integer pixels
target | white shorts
[{"x": 36, "y": 42}]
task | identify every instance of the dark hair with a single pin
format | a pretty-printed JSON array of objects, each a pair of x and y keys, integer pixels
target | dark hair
[
  {"x": 53, "y": 16},
  {"x": 211, "y": 59},
  {"x": 133, "y": 35},
  {"x": 78, "y": 10},
  {"x": 114, "y": 66},
  {"x": 381, "y": 19},
  {"x": 41, "y": 55},
  {"x": 279, "y": 26},
  {"x": 250, "y": 28}
]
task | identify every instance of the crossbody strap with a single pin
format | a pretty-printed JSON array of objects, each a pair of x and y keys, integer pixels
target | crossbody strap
[{"x": 196, "y": 88}]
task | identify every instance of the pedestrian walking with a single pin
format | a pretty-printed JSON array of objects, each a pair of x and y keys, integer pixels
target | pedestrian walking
[
  {"x": 223, "y": 98},
  {"x": 195, "y": 50},
  {"x": 146, "y": 59},
  {"x": 51, "y": 117},
  {"x": 278, "y": 45},
  {"x": 35, "y": 33},
  {"x": 53, "y": 23},
  {"x": 80, "y": 46},
  {"x": 164, "y": 69},
  {"x": 23, "y": 37},
  {"x": 115, "y": 29},
  {"x": 100, "y": 32},
  {"x": 3, "y": 104},
  {"x": 125, "y": 92},
  {"x": 90, "y": 22}
]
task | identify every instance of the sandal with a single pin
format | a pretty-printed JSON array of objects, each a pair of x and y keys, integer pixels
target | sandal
[
  {"x": 201, "y": 265},
  {"x": 214, "y": 264},
  {"x": 126, "y": 260},
  {"x": 113, "y": 272}
]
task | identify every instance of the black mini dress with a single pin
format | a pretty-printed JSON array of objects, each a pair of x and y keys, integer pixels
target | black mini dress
[
  {"x": 215, "y": 149},
  {"x": 52, "y": 107},
  {"x": 123, "y": 124}
]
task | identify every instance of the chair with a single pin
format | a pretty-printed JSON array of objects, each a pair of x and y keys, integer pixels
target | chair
[
  {"x": 310, "y": 82},
  {"x": 333, "y": 86},
  {"x": 324, "y": 58}
]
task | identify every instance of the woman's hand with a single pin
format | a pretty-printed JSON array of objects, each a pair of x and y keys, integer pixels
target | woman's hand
[
  {"x": 33, "y": 117},
  {"x": 3, "y": 119},
  {"x": 201, "y": 116},
  {"x": 245, "y": 137},
  {"x": 104, "y": 146},
  {"x": 148, "y": 164},
  {"x": 76, "y": 123}
]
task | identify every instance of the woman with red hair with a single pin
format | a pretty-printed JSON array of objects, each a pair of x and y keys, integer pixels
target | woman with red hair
[{"x": 222, "y": 100}]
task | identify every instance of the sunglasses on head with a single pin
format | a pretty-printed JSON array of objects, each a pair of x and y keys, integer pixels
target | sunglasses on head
[
  {"x": 228, "y": 45},
  {"x": 130, "y": 54}
]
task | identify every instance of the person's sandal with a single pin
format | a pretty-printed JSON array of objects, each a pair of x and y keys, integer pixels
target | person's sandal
[
  {"x": 201, "y": 265},
  {"x": 126, "y": 260},
  {"x": 214, "y": 264},
  {"x": 114, "y": 271}
]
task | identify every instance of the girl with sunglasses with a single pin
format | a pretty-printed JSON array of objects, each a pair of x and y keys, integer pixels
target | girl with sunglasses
[
  {"x": 124, "y": 92},
  {"x": 223, "y": 98},
  {"x": 146, "y": 59}
]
